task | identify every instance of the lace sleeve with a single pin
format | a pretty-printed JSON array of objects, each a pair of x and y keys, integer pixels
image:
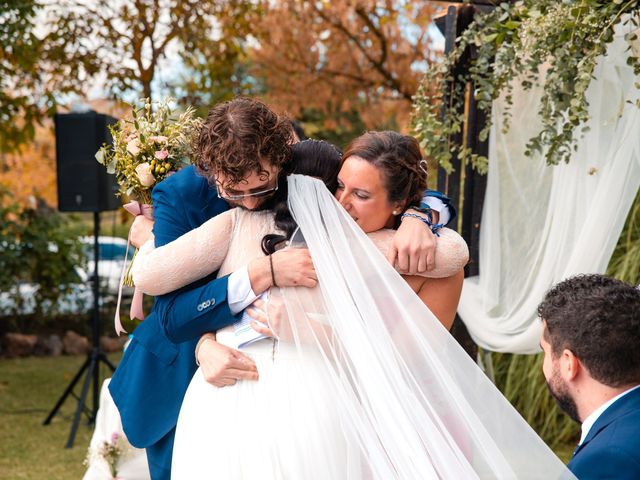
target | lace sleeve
[
  {"x": 452, "y": 253},
  {"x": 192, "y": 256}
]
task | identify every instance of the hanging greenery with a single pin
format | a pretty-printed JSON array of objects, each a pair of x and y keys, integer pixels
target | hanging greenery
[{"x": 510, "y": 44}]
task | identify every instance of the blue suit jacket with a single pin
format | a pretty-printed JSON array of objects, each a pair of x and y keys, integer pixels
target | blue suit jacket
[
  {"x": 150, "y": 382},
  {"x": 611, "y": 449}
]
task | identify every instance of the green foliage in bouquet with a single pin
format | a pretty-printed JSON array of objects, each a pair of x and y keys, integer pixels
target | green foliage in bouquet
[
  {"x": 512, "y": 43},
  {"x": 147, "y": 147}
]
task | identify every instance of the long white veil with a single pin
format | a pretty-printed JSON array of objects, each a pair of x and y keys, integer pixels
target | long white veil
[{"x": 411, "y": 402}]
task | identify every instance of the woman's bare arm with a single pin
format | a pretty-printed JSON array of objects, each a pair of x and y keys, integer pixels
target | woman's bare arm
[{"x": 452, "y": 253}]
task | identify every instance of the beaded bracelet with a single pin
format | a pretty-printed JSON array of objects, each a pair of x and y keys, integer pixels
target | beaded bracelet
[
  {"x": 426, "y": 221},
  {"x": 423, "y": 208}
]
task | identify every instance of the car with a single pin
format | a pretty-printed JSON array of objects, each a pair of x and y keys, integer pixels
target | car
[
  {"x": 80, "y": 298},
  {"x": 112, "y": 258}
]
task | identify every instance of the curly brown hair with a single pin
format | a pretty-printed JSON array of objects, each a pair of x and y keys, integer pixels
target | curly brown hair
[
  {"x": 398, "y": 157},
  {"x": 598, "y": 319},
  {"x": 237, "y": 135}
]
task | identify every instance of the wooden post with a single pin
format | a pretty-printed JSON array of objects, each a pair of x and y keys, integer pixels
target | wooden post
[{"x": 466, "y": 192}]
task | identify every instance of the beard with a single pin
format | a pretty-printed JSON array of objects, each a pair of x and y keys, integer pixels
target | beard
[{"x": 564, "y": 399}]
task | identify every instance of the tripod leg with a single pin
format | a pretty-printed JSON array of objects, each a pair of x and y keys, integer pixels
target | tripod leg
[
  {"x": 81, "y": 402},
  {"x": 104, "y": 358},
  {"x": 67, "y": 391},
  {"x": 96, "y": 385},
  {"x": 101, "y": 357}
]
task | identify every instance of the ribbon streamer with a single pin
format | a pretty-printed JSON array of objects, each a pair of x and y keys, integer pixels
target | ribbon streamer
[{"x": 135, "y": 209}]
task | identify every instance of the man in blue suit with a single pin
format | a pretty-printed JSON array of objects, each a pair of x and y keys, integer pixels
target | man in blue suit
[
  {"x": 591, "y": 343},
  {"x": 242, "y": 149},
  {"x": 152, "y": 377}
]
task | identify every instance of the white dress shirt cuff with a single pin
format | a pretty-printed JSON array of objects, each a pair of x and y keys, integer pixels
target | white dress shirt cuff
[
  {"x": 438, "y": 205},
  {"x": 239, "y": 292}
]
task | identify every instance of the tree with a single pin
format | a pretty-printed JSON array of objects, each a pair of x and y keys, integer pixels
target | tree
[
  {"x": 123, "y": 46},
  {"x": 344, "y": 56},
  {"x": 40, "y": 246},
  {"x": 19, "y": 53},
  {"x": 136, "y": 38}
]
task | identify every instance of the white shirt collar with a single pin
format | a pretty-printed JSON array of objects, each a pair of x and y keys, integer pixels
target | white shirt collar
[{"x": 591, "y": 419}]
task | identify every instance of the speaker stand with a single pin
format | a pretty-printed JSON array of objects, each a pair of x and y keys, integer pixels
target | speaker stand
[{"x": 92, "y": 364}]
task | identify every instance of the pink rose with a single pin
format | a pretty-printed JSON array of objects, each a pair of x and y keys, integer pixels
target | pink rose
[
  {"x": 158, "y": 139},
  {"x": 161, "y": 154},
  {"x": 144, "y": 175},
  {"x": 133, "y": 147}
]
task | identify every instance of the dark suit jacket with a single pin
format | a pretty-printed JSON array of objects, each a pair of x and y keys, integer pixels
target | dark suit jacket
[
  {"x": 150, "y": 382},
  {"x": 611, "y": 449}
]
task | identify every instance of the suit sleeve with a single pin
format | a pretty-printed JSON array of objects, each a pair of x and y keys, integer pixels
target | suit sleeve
[
  {"x": 199, "y": 307},
  {"x": 607, "y": 463}
]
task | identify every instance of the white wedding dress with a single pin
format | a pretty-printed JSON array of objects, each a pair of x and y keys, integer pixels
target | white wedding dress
[
  {"x": 363, "y": 382},
  {"x": 255, "y": 430}
]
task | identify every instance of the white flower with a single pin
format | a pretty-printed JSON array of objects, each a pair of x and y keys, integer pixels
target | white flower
[
  {"x": 133, "y": 146},
  {"x": 100, "y": 156},
  {"x": 144, "y": 175}
]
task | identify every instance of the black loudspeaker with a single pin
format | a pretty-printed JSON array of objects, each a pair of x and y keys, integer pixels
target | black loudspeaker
[{"x": 83, "y": 184}]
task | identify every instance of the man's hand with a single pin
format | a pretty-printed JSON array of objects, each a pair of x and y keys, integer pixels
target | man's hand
[
  {"x": 140, "y": 231},
  {"x": 270, "y": 318},
  {"x": 222, "y": 366},
  {"x": 413, "y": 247},
  {"x": 291, "y": 267}
]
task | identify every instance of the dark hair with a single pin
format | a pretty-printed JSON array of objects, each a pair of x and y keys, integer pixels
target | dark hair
[
  {"x": 237, "y": 135},
  {"x": 315, "y": 158},
  {"x": 399, "y": 159},
  {"x": 598, "y": 319},
  {"x": 298, "y": 129}
]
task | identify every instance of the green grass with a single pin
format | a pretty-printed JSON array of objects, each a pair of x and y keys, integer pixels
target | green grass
[{"x": 29, "y": 388}]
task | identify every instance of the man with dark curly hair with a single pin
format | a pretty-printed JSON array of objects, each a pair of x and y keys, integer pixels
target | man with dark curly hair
[
  {"x": 591, "y": 344},
  {"x": 242, "y": 151}
]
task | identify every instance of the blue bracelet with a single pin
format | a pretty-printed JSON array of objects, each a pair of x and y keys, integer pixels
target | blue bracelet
[{"x": 434, "y": 228}]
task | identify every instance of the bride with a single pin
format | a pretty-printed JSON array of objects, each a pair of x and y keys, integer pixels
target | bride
[{"x": 363, "y": 381}]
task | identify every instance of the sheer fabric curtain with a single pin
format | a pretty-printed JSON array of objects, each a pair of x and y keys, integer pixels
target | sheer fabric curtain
[
  {"x": 410, "y": 402},
  {"x": 542, "y": 224}
]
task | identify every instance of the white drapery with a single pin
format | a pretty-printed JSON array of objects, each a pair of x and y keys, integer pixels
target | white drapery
[{"x": 543, "y": 224}]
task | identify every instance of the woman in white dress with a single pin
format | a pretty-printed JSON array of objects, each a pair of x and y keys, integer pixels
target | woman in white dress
[{"x": 363, "y": 381}]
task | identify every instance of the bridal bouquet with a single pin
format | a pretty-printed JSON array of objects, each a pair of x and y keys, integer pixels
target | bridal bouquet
[{"x": 147, "y": 147}]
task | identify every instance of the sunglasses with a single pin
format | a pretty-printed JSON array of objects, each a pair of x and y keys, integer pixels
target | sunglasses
[{"x": 239, "y": 197}]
